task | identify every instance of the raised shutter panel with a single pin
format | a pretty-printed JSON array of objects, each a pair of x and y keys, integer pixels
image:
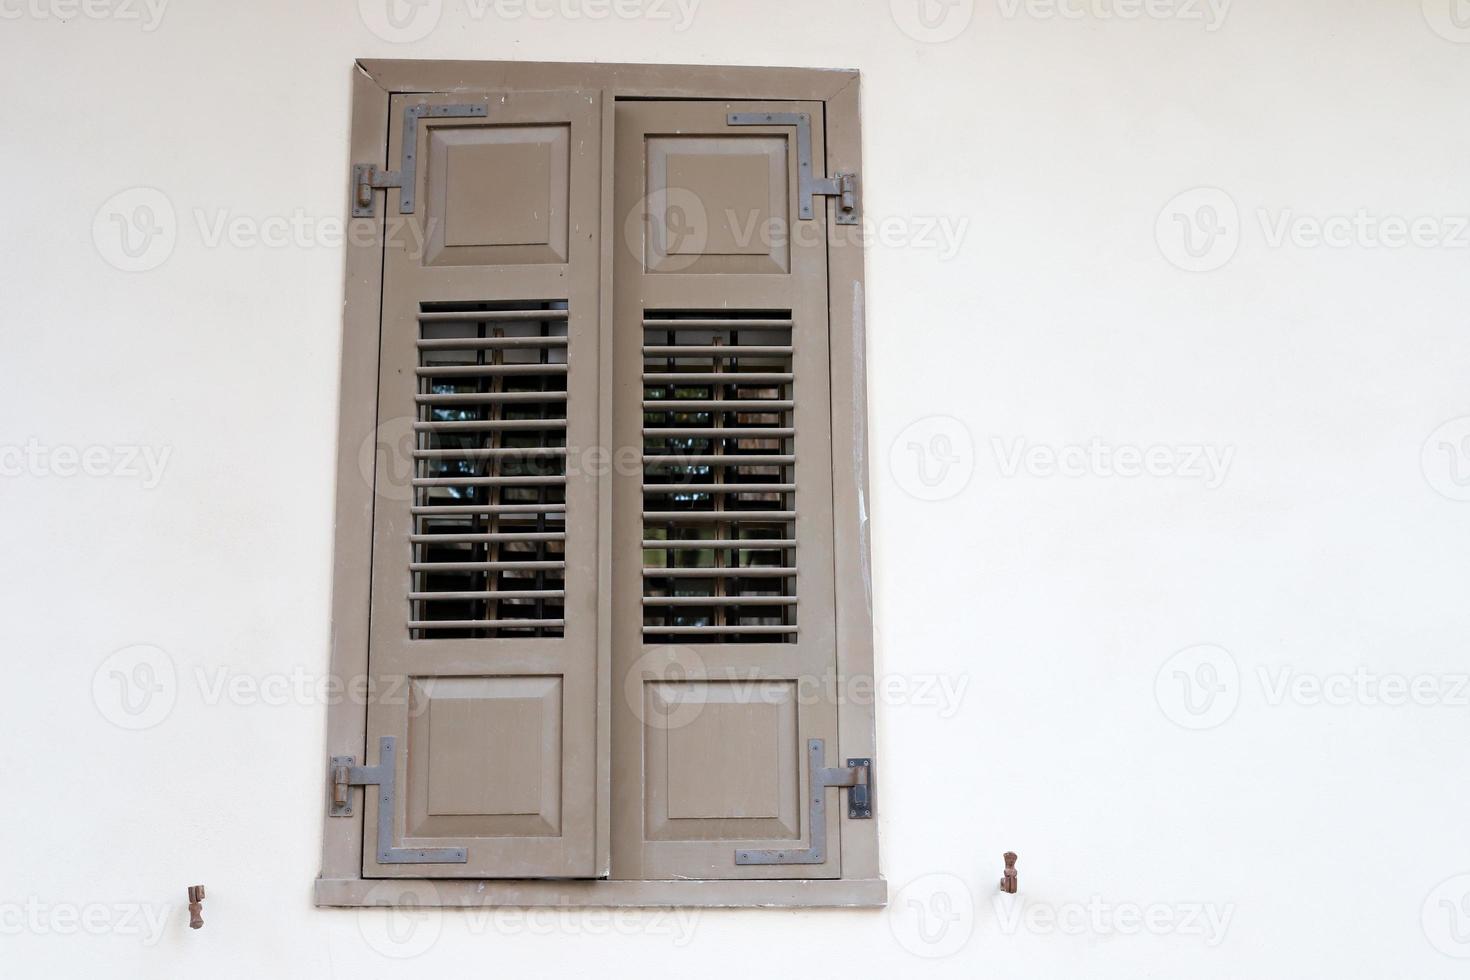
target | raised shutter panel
[
  {"x": 483, "y": 641},
  {"x": 724, "y": 654}
]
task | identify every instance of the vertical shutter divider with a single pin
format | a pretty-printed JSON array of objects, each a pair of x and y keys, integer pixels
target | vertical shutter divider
[{"x": 717, "y": 476}]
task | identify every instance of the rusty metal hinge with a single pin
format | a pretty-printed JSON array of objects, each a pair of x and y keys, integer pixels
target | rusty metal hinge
[
  {"x": 856, "y": 778},
  {"x": 843, "y": 185},
  {"x": 345, "y": 775},
  {"x": 366, "y": 177}
]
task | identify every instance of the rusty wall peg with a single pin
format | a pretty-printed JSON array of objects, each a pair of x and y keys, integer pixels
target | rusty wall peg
[
  {"x": 1009, "y": 881},
  {"x": 196, "y": 906}
]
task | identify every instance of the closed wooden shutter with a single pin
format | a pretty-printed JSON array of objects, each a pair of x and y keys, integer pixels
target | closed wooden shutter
[
  {"x": 602, "y": 614},
  {"x": 483, "y": 636},
  {"x": 723, "y": 619}
]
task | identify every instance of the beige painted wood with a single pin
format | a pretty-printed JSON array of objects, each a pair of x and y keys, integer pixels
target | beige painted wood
[
  {"x": 498, "y": 733},
  {"x": 372, "y": 82},
  {"x": 352, "y": 548},
  {"x": 852, "y": 549},
  {"x": 709, "y": 739},
  {"x": 620, "y": 80}
]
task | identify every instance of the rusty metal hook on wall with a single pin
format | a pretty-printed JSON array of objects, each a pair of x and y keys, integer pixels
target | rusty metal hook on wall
[
  {"x": 1009, "y": 881},
  {"x": 196, "y": 906}
]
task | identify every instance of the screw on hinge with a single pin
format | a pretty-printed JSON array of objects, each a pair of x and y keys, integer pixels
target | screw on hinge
[
  {"x": 1009, "y": 880},
  {"x": 196, "y": 906}
]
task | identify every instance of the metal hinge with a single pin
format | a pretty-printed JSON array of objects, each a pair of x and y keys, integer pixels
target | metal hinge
[
  {"x": 857, "y": 778},
  {"x": 842, "y": 185},
  {"x": 345, "y": 775},
  {"x": 366, "y": 177}
]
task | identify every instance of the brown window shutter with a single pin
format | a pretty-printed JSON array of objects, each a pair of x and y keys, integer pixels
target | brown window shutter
[
  {"x": 483, "y": 642},
  {"x": 723, "y": 602}
]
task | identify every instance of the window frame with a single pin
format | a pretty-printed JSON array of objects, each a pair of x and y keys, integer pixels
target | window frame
[{"x": 375, "y": 82}]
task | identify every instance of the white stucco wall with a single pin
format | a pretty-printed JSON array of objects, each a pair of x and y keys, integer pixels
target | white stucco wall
[{"x": 1253, "y": 828}]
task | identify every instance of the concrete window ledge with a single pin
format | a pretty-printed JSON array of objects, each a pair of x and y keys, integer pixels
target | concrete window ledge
[{"x": 862, "y": 893}]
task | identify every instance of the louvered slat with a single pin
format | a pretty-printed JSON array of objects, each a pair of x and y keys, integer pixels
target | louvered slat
[
  {"x": 749, "y": 571},
  {"x": 719, "y": 472},
  {"x": 489, "y": 507}
]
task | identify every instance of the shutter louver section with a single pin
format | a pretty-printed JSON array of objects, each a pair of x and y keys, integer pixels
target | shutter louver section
[
  {"x": 719, "y": 489},
  {"x": 489, "y": 512}
]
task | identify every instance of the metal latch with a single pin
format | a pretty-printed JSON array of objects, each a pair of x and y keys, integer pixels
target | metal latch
[
  {"x": 842, "y": 185},
  {"x": 345, "y": 775},
  {"x": 856, "y": 778},
  {"x": 366, "y": 177}
]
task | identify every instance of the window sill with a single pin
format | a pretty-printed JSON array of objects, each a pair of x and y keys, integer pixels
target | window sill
[{"x": 867, "y": 893}]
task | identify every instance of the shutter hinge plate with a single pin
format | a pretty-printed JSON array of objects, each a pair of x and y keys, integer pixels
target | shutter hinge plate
[
  {"x": 345, "y": 775},
  {"x": 843, "y": 186},
  {"x": 366, "y": 177},
  {"x": 856, "y": 778}
]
